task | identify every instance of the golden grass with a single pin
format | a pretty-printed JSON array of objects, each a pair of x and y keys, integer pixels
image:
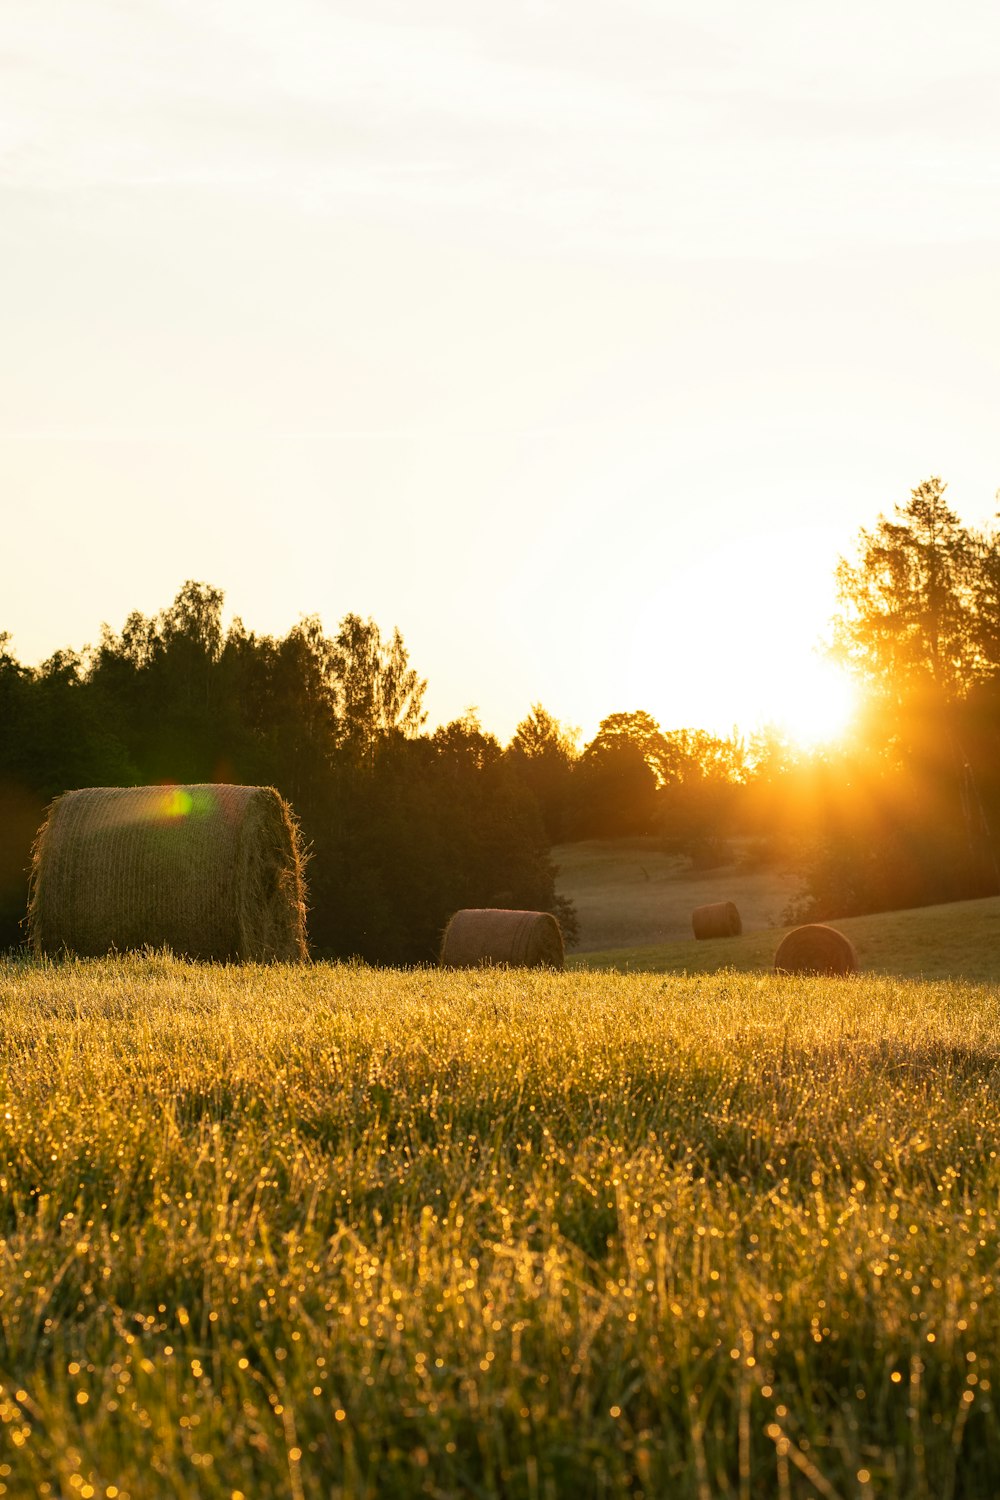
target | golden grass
[{"x": 274, "y": 1230}]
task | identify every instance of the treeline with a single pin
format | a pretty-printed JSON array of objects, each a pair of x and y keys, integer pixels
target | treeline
[
  {"x": 907, "y": 811},
  {"x": 402, "y": 827},
  {"x": 405, "y": 826}
]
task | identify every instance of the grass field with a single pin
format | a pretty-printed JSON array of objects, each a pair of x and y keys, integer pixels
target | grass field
[
  {"x": 629, "y": 922},
  {"x": 337, "y": 1231},
  {"x": 628, "y": 893},
  {"x": 957, "y": 941}
]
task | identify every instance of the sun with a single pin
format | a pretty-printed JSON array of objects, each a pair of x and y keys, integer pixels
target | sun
[{"x": 825, "y": 702}]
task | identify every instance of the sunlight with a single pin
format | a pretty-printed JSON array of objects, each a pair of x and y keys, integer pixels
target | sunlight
[{"x": 826, "y": 700}]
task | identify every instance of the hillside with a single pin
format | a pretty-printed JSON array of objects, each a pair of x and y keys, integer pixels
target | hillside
[
  {"x": 629, "y": 894},
  {"x": 635, "y": 908}
]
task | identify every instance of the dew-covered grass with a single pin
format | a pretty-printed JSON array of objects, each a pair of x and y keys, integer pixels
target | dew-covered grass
[{"x": 339, "y": 1231}]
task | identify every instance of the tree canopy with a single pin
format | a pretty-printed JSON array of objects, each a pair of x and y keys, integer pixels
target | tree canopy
[{"x": 402, "y": 828}]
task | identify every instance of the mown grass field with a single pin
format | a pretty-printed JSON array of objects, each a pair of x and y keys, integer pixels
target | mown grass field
[
  {"x": 635, "y": 903},
  {"x": 337, "y": 1231},
  {"x": 960, "y": 940},
  {"x": 628, "y": 893}
]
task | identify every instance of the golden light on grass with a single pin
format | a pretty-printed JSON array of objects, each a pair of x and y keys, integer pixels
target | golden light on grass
[{"x": 371, "y": 1205}]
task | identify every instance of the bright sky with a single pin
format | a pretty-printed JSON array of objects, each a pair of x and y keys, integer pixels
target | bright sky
[{"x": 575, "y": 338}]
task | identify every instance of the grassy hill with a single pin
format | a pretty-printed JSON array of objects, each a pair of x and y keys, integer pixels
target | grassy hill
[
  {"x": 629, "y": 894},
  {"x": 631, "y": 922},
  {"x": 331, "y": 1230}
]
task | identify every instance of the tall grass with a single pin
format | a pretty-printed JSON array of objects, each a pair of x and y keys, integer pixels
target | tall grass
[{"x": 338, "y": 1231}]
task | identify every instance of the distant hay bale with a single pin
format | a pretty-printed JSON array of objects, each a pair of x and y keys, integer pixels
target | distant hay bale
[
  {"x": 488, "y": 935},
  {"x": 720, "y": 919},
  {"x": 815, "y": 949},
  {"x": 212, "y": 872}
]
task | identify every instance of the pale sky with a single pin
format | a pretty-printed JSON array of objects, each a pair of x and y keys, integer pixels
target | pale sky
[{"x": 577, "y": 339}]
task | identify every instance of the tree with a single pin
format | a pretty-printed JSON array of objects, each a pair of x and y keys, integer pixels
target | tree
[
  {"x": 542, "y": 753},
  {"x": 379, "y": 692},
  {"x": 702, "y": 775},
  {"x": 616, "y": 777},
  {"x": 918, "y": 621},
  {"x": 402, "y": 828},
  {"x": 908, "y": 616},
  {"x": 638, "y": 732}
]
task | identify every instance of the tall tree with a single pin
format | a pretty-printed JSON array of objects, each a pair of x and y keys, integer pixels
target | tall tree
[
  {"x": 636, "y": 732},
  {"x": 380, "y": 693},
  {"x": 542, "y": 753},
  {"x": 908, "y": 615},
  {"x": 616, "y": 778},
  {"x": 913, "y": 622}
]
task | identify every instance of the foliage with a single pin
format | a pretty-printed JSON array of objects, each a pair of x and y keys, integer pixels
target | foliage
[
  {"x": 379, "y": 693},
  {"x": 543, "y": 754},
  {"x": 703, "y": 782},
  {"x": 344, "y": 1231},
  {"x": 918, "y": 622},
  {"x": 615, "y": 780},
  {"x": 908, "y": 603},
  {"x": 403, "y": 828}
]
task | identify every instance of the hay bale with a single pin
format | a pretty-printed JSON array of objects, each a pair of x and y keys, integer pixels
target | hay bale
[
  {"x": 213, "y": 872},
  {"x": 521, "y": 939},
  {"x": 720, "y": 919},
  {"x": 815, "y": 949}
]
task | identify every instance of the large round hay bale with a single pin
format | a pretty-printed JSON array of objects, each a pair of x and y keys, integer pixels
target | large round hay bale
[
  {"x": 815, "y": 949},
  {"x": 212, "y": 872},
  {"x": 720, "y": 919},
  {"x": 488, "y": 935}
]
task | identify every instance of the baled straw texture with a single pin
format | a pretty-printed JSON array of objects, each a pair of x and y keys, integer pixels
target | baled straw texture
[
  {"x": 815, "y": 949},
  {"x": 213, "y": 872},
  {"x": 720, "y": 919},
  {"x": 488, "y": 935}
]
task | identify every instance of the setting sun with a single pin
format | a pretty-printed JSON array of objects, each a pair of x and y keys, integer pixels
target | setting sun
[{"x": 826, "y": 700}]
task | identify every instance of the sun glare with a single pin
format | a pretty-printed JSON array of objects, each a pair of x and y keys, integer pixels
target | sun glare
[{"x": 826, "y": 700}]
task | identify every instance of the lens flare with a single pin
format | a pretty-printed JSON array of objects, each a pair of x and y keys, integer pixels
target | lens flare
[{"x": 177, "y": 802}]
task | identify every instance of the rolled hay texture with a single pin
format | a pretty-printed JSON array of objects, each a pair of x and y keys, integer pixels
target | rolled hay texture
[
  {"x": 490, "y": 935},
  {"x": 720, "y": 919},
  {"x": 212, "y": 872},
  {"x": 815, "y": 949}
]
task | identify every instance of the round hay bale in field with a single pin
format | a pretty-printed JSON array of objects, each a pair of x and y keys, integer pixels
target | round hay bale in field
[
  {"x": 213, "y": 872},
  {"x": 489, "y": 935},
  {"x": 815, "y": 949},
  {"x": 720, "y": 919}
]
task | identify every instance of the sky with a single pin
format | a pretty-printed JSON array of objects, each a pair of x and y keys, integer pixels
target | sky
[{"x": 576, "y": 339}]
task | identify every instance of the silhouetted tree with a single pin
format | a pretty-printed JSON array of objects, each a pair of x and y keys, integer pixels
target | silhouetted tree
[
  {"x": 909, "y": 602},
  {"x": 379, "y": 692},
  {"x": 403, "y": 828},
  {"x": 917, "y": 621},
  {"x": 703, "y": 776},
  {"x": 615, "y": 779},
  {"x": 543, "y": 753}
]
